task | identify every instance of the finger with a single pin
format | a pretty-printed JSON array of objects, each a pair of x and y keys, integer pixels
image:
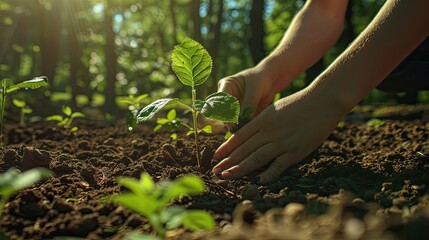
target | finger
[
  {"x": 257, "y": 159},
  {"x": 230, "y": 86},
  {"x": 235, "y": 141},
  {"x": 277, "y": 167},
  {"x": 242, "y": 152}
]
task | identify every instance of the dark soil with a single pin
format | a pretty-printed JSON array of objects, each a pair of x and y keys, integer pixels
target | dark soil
[{"x": 363, "y": 182}]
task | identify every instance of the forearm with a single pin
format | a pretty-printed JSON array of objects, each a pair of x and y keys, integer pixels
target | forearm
[
  {"x": 312, "y": 32},
  {"x": 399, "y": 27}
]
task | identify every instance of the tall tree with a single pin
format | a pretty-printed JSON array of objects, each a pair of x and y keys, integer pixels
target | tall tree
[
  {"x": 257, "y": 31},
  {"x": 49, "y": 21},
  {"x": 111, "y": 59},
  {"x": 196, "y": 19}
]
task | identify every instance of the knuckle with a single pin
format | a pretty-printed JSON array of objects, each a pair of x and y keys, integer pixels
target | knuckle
[{"x": 243, "y": 151}]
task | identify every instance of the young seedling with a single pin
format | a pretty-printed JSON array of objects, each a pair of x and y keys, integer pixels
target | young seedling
[
  {"x": 153, "y": 201},
  {"x": 24, "y": 109},
  {"x": 134, "y": 104},
  {"x": 7, "y": 87},
  {"x": 66, "y": 120},
  {"x": 192, "y": 64},
  {"x": 13, "y": 180}
]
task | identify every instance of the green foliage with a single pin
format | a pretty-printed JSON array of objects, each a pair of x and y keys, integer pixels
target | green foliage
[
  {"x": 153, "y": 200},
  {"x": 7, "y": 87},
  {"x": 192, "y": 64},
  {"x": 13, "y": 180},
  {"x": 133, "y": 103},
  {"x": 66, "y": 119},
  {"x": 171, "y": 122},
  {"x": 24, "y": 108},
  {"x": 375, "y": 122}
]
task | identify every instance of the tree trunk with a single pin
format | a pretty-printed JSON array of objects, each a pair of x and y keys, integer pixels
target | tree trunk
[
  {"x": 110, "y": 58},
  {"x": 173, "y": 21},
  {"x": 257, "y": 31},
  {"x": 214, "y": 48},
  {"x": 196, "y": 20},
  {"x": 49, "y": 41}
]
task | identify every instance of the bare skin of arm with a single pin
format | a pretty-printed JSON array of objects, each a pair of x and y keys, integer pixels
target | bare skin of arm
[
  {"x": 311, "y": 33},
  {"x": 288, "y": 130}
]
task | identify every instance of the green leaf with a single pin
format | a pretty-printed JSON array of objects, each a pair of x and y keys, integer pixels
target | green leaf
[
  {"x": 207, "y": 129},
  {"x": 185, "y": 185},
  {"x": 74, "y": 129},
  {"x": 126, "y": 101},
  {"x": 27, "y": 110},
  {"x": 173, "y": 136},
  {"x": 57, "y": 118},
  {"x": 18, "y": 103},
  {"x": 157, "y": 127},
  {"x": 222, "y": 107},
  {"x": 77, "y": 115},
  {"x": 67, "y": 110},
  {"x": 227, "y": 135},
  {"x": 30, "y": 84},
  {"x": 172, "y": 217},
  {"x": 146, "y": 182},
  {"x": 150, "y": 110},
  {"x": 141, "y": 97},
  {"x": 162, "y": 121},
  {"x": 143, "y": 205},
  {"x": 30, "y": 177},
  {"x": 171, "y": 115},
  {"x": 132, "y": 184},
  {"x": 198, "y": 219},
  {"x": 189, "y": 133},
  {"x": 191, "y": 62}
]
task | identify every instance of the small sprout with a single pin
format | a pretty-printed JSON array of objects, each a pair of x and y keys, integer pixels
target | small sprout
[
  {"x": 192, "y": 65},
  {"x": 375, "y": 122},
  {"x": 153, "y": 201},
  {"x": 227, "y": 135},
  {"x": 13, "y": 180},
  {"x": 133, "y": 103},
  {"x": 171, "y": 123},
  {"x": 66, "y": 119},
  {"x": 25, "y": 109},
  {"x": 7, "y": 87}
]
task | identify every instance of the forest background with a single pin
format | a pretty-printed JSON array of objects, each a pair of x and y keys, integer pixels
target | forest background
[{"x": 95, "y": 51}]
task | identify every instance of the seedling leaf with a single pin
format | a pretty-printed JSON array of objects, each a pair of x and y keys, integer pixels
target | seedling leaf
[
  {"x": 132, "y": 184},
  {"x": 171, "y": 115},
  {"x": 30, "y": 84},
  {"x": 67, "y": 110},
  {"x": 18, "y": 103},
  {"x": 150, "y": 110},
  {"x": 146, "y": 182},
  {"x": 221, "y": 106},
  {"x": 57, "y": 118},
  {"x": 197, "y": 219},
  {"x": 207, "y": 129},
  {"x": 191, "y": 62},
  {"x": 186, "y": 185},
  {"x": 30, "y": 177},
  {"x": 144, "y": 206}
]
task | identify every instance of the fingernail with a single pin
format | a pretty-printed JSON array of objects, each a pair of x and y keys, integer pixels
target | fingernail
[
  {"x": 216, "y": 170},
  {"x": 227, "y": 174}
]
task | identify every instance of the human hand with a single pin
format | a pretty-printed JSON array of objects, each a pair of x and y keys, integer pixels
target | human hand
[
  {"x": 253, "y": 87},
  {"x": 282, "y": 135}
]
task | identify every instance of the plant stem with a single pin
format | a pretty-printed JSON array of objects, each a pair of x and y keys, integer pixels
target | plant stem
[
  {"x": 195, "y": 129},
  {"x": 2, "y": 103}
]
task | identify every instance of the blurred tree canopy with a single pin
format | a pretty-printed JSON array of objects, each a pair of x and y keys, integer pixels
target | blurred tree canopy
[{"x": 96, "y": 50}]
